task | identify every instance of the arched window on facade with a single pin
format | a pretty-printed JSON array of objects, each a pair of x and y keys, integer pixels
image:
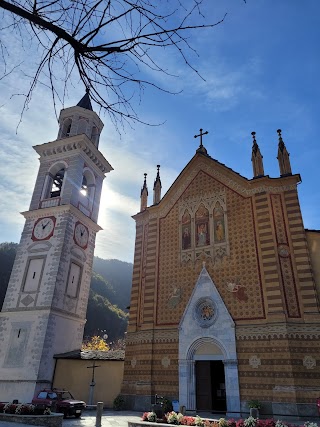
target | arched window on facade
[
  {"x": 95, "y": 135},
  {"x": 66, "y": 128},
  {"x": 82, "y": 126},
  {"x": 202, "y": 232},
  {"x": 186, "y": 231}
]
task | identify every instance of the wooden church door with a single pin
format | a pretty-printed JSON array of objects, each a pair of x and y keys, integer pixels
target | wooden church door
[{"x": 210, "y": 386}]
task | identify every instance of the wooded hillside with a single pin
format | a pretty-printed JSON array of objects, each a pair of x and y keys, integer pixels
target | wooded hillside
[{"x": 109, "y": 294}]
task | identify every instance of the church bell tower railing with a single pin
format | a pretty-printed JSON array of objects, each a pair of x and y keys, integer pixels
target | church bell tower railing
[{"x": 50, "y": 203}]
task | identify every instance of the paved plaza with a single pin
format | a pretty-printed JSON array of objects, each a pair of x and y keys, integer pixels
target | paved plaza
[
  {"x": 88, "y": 419},
  {"x": 120, "y": 419}
]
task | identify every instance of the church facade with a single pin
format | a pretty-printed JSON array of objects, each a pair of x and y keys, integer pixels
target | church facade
[
  {"x": 225, "y": 292},
  {"x": 45, "y": 306}
]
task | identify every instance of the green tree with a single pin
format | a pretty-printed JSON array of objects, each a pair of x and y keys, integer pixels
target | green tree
[{"x": 7, "y": 255}]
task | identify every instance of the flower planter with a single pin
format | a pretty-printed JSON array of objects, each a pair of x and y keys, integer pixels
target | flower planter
[
  {"x": 254, "y": 412},
  {"x": 53, "y": 420}
]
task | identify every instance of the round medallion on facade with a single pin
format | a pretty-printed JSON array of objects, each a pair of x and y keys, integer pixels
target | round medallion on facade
[
  {"x": 283, "y": 251},
  {"x": 165, "y": 362},
  {"x": 309, "y": 362},
  {"x": 205, "y": 312},
  {"x": 254, "y": 361}
]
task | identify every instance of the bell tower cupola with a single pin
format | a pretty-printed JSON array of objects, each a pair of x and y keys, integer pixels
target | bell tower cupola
[
  {"x": 80, "y": 119},
  {"x": 157, "y": 187},
  {"x": 256, "y": 158},
  {"x": 283, "y": 157}
]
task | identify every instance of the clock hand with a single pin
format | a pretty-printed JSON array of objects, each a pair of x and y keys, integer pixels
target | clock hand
[{"x": 44, "y": 226}]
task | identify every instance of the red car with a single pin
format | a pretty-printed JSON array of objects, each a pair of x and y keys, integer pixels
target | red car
[{"x": 59, "y": 401}]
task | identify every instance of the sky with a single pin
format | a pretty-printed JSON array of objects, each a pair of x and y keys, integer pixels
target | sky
[{"x": 261, "y": 69}]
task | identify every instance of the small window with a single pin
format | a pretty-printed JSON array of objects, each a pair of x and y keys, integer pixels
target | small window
[
  {"x": 66, "y": 395},
  {"x": 42, "y": 395},
  {"x": 52, "y": 396},
  {"x": 82, "y": 126},
  {"x": 95, "y": 135}
]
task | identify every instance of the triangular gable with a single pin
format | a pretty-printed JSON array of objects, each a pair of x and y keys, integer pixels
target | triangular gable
[
  {"x": 223, "y": 174},
  {"x": 206, "y": 315}
]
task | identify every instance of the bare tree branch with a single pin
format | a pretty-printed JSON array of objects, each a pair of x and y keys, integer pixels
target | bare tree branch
[{"x": 109, "y": 43}]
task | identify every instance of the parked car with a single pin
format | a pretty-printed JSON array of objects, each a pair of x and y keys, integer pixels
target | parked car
[{"x": 59, "y": 401}]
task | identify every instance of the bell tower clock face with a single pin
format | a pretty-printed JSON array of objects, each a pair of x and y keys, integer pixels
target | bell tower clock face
[
  {"x": 43, "y": 228},
  {"x": 81, "y": 235}
]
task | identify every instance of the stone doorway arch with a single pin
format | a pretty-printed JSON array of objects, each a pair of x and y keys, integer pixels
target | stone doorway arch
[{"x": 207, "y": 332}]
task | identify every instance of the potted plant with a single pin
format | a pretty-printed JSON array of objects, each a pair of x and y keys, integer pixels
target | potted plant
[{"x": 254, "y": 406}]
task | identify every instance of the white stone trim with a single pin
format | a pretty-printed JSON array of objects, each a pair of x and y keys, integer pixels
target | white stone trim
[
  {"x": 193, "y": 336},
  {"x": 78, "y": 143},
  {"x": 56, "y": 210}
]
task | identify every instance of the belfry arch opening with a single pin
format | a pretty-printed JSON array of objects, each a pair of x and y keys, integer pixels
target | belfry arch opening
[
  {"x": 66, "y": 128},
  {"x": 95, "y": 135},
  {"x": 57, "y": 182},
  {"x": 87, "y": 189}
]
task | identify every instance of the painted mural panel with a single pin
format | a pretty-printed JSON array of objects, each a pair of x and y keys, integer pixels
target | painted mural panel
[
  {"x": 202, "y": 236},
  {"x": 186, "y": 231},
  {"x": 219, "y": 224}
]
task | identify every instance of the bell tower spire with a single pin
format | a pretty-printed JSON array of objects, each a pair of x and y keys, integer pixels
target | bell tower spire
[
  {"x": 44, "y": 311},
  {"x": 256, "y": 158},
  {"x": 80, "y": 119},
  {"x": 283, "y": 157},
  {"x": 144, "y": 195},
  {"x": 157, "y": 188}
]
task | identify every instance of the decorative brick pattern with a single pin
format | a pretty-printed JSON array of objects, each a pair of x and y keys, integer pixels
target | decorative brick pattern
[
  {"x": 241, "y": 265},
  {"x": 263, "y": 277},
  {"x": 301, "y": 252},
  {"x": 286, "y": 269}
]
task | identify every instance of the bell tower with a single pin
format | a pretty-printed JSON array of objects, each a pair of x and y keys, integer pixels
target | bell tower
[{"x": 45, "y": 305}]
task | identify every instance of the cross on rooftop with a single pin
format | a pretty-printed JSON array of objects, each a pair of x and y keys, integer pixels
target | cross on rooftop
[{"x": 201, "y": 134}]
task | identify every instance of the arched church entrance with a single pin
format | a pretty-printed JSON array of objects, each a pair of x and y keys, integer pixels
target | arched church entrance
[
  {"x": 208, "y": 364},
  {"x": 210, "y": 380}
]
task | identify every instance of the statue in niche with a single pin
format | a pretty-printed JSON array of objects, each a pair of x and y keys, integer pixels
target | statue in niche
[
  {"x": 202, "y": 227},
  {"x": 186, "y": 231}
]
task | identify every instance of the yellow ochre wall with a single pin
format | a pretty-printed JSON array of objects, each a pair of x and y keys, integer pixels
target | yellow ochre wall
[
  {"x": 313, "y": 239},
  {"x": 73, "y": 375}
]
